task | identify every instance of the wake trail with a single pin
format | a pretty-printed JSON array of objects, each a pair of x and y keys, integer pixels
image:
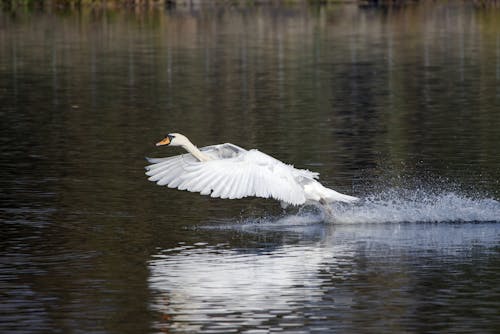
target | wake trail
[{"x": 403, "y": 205}]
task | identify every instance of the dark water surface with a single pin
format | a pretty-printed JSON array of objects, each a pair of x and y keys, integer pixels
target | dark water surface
[{"x": 397, "y": 105}]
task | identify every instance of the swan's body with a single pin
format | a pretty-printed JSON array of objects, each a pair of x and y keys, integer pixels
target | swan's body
[{"x": 229, "y": 171}]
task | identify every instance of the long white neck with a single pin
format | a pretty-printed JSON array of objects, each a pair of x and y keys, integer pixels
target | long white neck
[{"x": 188, "y": 146}]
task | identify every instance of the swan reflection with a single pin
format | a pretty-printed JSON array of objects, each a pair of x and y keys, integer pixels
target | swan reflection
[
  {"x": 196, "y": 284},
  {"x": 363, "y": 274}
]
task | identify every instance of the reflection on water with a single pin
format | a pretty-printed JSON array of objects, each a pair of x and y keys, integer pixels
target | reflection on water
[
  {"x": 350, "y": 278},
  {"x": 211, "y": 288},
  {"x": 377, "y": 99}
]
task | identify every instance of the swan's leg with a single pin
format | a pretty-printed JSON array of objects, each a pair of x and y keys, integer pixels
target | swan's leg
[
  {"x": 327, "y": 209},
  {"x": 284, "y": 205}
]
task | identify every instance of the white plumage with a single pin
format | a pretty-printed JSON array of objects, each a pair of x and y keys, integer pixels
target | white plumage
[{"x": 229, "y": 171}]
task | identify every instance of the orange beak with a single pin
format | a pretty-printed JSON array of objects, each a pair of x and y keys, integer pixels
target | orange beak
[{"x": 165, "y": 141}]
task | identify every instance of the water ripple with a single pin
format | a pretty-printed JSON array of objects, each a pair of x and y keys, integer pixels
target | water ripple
[
  {"x": 205, "y": 288},
  {"x": 325, "y": 279}
]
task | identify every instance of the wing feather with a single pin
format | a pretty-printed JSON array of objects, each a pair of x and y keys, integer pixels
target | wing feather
[
  {"x": 243, "y": 185},
  {"x": 228, "y": 185},
  {"x": 233, "y": 173},
  {"x": 234, "y": 188}
]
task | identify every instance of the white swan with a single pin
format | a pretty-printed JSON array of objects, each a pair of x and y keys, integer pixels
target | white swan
[{"x": 229, "y": 171}]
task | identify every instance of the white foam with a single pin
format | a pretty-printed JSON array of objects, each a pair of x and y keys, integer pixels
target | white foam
[{"x": 403, "y": 205}]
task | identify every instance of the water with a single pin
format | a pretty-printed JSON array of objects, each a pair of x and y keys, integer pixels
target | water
[
  {"x": 397, "y": 105},
  {"x": 411, "y": 278}
]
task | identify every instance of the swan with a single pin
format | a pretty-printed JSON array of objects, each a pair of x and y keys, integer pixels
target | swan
[{"x": 229, "y": 171}]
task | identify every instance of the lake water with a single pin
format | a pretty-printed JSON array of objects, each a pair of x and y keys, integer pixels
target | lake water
[{"x": 398, "y": 105}]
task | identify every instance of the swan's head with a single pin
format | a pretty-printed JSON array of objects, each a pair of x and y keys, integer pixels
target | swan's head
[{"x": 173, "y": 139}]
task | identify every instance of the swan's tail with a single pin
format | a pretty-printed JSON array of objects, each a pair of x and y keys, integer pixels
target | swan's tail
[
  {"x": 330, "y": 195},
  {"x": 315, "y": 191}
]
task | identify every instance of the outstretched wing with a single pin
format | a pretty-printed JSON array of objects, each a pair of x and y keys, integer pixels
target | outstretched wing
[{"x": 233, "y": 173}]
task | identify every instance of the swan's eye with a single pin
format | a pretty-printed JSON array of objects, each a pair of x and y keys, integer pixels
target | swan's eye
[{"x": 170, "y": 136}]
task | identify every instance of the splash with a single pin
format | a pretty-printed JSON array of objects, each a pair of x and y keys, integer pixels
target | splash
[
  {"x": 419, "y": 204},
  {"x": 416, "y": 205}
]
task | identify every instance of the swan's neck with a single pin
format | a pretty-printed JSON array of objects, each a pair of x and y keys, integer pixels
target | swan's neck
[{"x": 188, "y": 146}]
